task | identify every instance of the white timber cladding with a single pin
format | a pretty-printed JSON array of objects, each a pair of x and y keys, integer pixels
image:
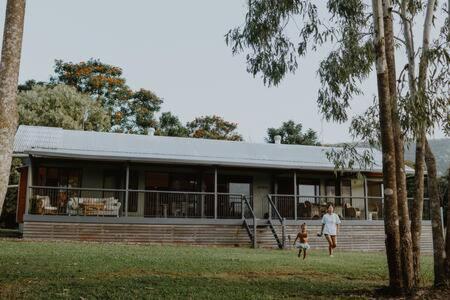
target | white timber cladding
[{"x": 61, "y": 143}]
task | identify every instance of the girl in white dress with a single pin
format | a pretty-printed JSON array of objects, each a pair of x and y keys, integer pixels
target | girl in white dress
[{"x": 330, "y": 227}]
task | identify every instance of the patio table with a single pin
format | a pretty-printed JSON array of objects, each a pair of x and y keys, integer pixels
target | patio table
[{"x": 92, "y": 208}]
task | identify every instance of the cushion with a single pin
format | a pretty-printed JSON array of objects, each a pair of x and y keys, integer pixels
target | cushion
[{"x": 111, "y": 201}]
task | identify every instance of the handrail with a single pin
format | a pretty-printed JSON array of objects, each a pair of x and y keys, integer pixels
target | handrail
[
  {"x": 129, "y": 190},
  {"x": 247, "y": 203},
  {"x": 335, "y": 197},
  {"x": 75, "y": 188},
  {"x": 272, "y": 206},
  {"x": 280, "y": 218}
]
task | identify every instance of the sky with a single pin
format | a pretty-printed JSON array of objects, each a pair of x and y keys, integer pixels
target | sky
[{"x": 177, "y": 49}]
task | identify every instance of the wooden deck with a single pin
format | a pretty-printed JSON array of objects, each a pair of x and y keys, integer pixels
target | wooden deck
[{"x": 360, "y": 236}]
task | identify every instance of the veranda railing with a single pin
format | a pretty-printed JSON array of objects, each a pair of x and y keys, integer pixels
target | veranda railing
[{"x": 134, "y": 203}]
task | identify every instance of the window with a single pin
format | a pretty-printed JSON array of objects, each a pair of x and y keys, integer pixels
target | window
[
  {"x": 308, "y": 190},
  {"x": 62, "y": 178},
  {"x": 133, "y": 197},
  {"x": 375, "y": 201},
  {"x": 59, "y": 177},
  {"x": 346, "y": 191},
  {"x": 156, "y": 181}
]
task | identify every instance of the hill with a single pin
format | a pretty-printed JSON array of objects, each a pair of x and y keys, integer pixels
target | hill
[
  {"x": 440, "y": 147},
  {"x": 441, "y": 150}
]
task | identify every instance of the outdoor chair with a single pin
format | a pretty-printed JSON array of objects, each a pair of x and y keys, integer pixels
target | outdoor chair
[
  {"x": 351, "y": 212},
  {"x": 44, "y": 206}
]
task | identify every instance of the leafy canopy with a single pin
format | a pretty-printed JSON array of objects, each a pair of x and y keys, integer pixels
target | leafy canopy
[
  {"x": 291, "y": 133},
  {"x": 206, "y": 127},
  {"x": 130, "y": 111},
  {"x": 213, "y": 127},
  {"x": 170, "y": 125},
  {"x": 61, "y": 106},
  {"x": 277, "y": 33}
]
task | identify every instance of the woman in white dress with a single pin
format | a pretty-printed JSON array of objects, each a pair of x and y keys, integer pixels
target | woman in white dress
[{"x": 330, "y": 227}]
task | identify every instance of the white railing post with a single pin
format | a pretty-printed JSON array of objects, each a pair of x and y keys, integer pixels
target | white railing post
[
  {"x": 215, "y": 193},
  {"x": 270, "y": 207},
  {"x": 295, "y": 195},
  {"x": 127, "y": 183},
  {"x": 366, "y": 199},
  {"x": 242, "y": 207},
  {"x": 29, "y": 190},
  {"x": 254, "y": 230}
]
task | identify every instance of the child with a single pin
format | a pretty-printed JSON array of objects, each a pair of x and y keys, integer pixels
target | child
[{"x": 302, "y": 236}]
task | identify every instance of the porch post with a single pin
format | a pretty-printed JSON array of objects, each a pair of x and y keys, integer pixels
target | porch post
[
  {"x": 202, "y": 195},
  {"x": 215, "y": 193},
  {"x": 29, "y": 184},
  {"x": 295, "y": 195},
  {"x": 127, "y": 183},
  {"x": 366, "y": 198}
]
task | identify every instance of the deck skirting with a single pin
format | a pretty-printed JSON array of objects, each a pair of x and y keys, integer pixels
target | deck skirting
[{"x": 353, "y": 236}]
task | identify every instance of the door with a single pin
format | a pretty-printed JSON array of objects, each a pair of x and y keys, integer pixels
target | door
[
  {"x": 240, "y": 188},
  {"x": 22, "y": 194}
]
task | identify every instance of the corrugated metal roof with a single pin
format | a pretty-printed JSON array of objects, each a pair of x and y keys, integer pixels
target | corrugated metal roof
[{"x": 57, "y": 142}]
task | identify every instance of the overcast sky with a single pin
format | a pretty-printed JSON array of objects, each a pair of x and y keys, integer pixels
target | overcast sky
[{"x": 176, "y": 49}]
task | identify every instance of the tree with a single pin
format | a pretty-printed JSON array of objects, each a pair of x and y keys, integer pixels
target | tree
[
  {"x": 291, "y": 133},
  {"x": 131, "y": 112},
  {"x": 426, "y": 100},
  {"x": 8, "y": 214},
  {"x": 406, "y": 255},
  {"x": 388, "y": 149},
  {"x": 273, "y": 51},
  {"x": 439, "y": 253},
  {"x": 9, "y": 74},
  {"x": 170, "y": 125},
  {"x": 447, "y": 237},
  {"x": 213, "y": 127},
  {"x": 61, "y": 106},
  {"x": 29, "y": 84}
]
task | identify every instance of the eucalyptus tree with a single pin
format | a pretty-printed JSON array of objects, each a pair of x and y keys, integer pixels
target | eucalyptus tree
[
  {"x": 9, "y": 74},
  {"x": 360, "y": 35},
  {"x": 425, "y": 104}
]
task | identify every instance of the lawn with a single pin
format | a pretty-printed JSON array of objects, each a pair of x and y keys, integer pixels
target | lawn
[{"x": 50, "y": 270}]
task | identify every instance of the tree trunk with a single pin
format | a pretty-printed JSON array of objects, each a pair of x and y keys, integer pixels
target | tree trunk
[
  {"x": 388, "y": 149},
  {"x": 420, "y": 131},
  {"x": 447, "y": 238},
  {"x": 402, "y": 201},
  {"x": 436, "y": 222},
  {"x": 417, "y": 206},
  {"x": 9, "y": 75},
  {"x": 417, "y": 209}
]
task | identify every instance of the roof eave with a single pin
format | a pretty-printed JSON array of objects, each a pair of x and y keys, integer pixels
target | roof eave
[{"x": 190, "y": 161}]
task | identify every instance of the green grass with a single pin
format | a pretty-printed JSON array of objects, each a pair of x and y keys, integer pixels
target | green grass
[{"x": 48, "y": 270}]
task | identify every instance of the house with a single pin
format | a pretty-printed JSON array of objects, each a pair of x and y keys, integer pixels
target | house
[{"x": 100, "y": 186}]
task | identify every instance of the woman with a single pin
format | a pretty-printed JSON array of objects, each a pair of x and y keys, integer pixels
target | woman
[{"x": 330, "y": 227}]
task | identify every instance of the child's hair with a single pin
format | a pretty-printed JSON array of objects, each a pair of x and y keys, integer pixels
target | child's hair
[{"x": 330, "y": 204}]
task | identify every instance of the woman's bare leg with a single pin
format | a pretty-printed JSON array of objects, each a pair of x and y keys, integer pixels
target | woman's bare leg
[
  {"x": 333, "y": 239},
  {"x": 330, "y": 244}
]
